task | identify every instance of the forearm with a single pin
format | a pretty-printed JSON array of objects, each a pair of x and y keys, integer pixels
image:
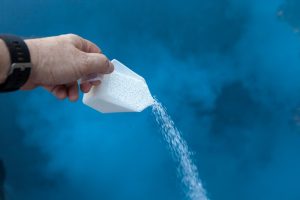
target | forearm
[{"x": 4, "y": 61}]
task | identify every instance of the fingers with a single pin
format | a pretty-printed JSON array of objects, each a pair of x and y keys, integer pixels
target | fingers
[
  {"x": 91, "y": 59},
  {"x": 62, "y": 91},
  {"x": 59, "y": 91},
  {"x": 71, "y": 91},
  {"x": 95, "y": 83},
  {"x": 94, "y": 63},
  {"x": 86, "y": 59},
  {"x": 86, "y": 87}
]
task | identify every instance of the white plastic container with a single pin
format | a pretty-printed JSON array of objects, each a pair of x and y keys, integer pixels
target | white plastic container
[{"x": 121, "y": 91}]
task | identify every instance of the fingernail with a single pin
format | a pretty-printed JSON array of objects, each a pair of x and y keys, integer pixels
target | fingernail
[
  {"x": 95, "y": 83},
  {"x": 111, "y": 68},
  {"x": 73, "y": 98}
]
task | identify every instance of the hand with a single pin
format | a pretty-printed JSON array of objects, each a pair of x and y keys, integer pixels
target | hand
[{"x": 58, "y": 62}]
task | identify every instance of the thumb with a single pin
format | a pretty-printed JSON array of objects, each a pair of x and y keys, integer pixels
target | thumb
[{"x": 96, "y": 63}]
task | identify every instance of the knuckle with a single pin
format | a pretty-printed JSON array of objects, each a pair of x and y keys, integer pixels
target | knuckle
[
  {"x": 83, "y": 64},
  {"x": 85, "y": 61},
  {"x": 73, "y": 38}
]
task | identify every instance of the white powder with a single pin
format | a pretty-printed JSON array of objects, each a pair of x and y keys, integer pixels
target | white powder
[
  {"x": 187, "y": 169},
  {"x": 127, "y": 91}
]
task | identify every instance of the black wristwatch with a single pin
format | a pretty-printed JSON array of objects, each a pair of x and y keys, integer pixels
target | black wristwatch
[{"x": 20, "y": 63}]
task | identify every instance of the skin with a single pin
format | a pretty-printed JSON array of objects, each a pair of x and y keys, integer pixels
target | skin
[{"x": 58, "y": 62}]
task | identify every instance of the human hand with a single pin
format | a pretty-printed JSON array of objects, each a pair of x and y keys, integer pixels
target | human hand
[{"x": 58, "y": 62}]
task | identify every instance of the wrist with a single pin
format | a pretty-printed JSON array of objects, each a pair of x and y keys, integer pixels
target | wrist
[
  {"x": 34, "y": 55},
  {"x": 4, "y": 61}
]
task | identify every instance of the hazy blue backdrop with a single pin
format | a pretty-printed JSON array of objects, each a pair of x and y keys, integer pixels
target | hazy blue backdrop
[{"x": 227, "y": 70}]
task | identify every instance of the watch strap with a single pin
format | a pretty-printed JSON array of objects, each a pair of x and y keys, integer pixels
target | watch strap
[{"x": 20, "y": 63}]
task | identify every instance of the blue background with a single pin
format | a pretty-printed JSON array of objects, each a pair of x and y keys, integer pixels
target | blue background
[{"x": 227, "y": 70}]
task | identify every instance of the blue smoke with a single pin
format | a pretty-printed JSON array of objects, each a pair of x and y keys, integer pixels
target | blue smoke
[{"x": 227, "y": 70}]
